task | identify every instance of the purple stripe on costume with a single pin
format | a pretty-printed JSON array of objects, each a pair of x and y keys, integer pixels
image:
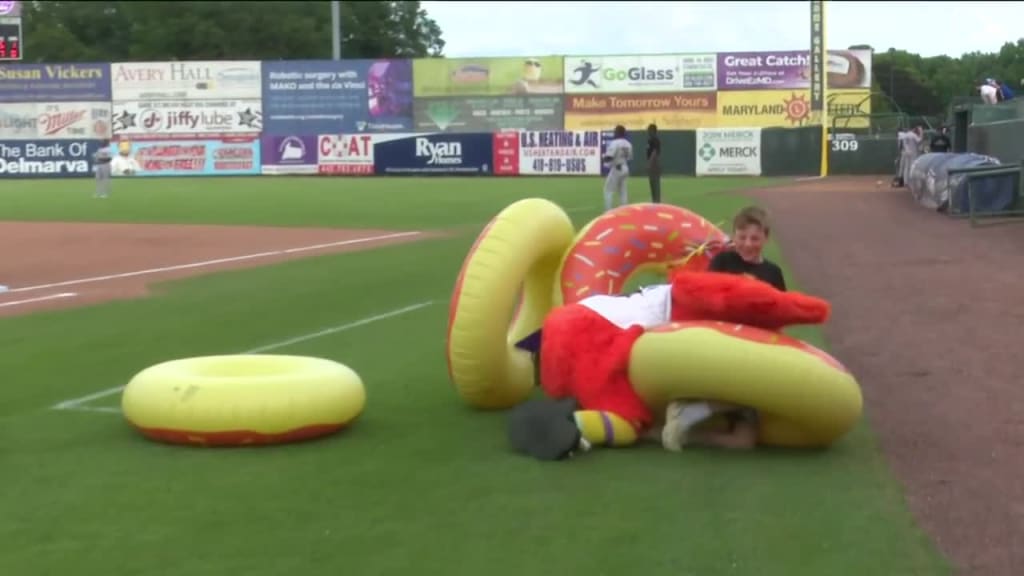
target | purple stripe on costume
[{"x": 609, "y": 432}]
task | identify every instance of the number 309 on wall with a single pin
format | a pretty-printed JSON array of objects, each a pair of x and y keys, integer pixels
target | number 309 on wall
[{"x": 844, "y": 143}]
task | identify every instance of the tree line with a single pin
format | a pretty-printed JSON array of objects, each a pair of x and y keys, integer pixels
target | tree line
[
  {"x": 136, "y": 31},
  {"x": 926, "y": 86},
  {"x": 58, "y": 31}
]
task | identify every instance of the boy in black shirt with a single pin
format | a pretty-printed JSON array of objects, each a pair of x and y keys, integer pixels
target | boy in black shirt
[{"x": 750, "y": 231}]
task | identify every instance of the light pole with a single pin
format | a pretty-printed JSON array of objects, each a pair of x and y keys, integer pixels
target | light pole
[{"x": 336, "y": 28}]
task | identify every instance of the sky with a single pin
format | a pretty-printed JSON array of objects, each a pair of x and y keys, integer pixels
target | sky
[{"x": 480, "y": 29}]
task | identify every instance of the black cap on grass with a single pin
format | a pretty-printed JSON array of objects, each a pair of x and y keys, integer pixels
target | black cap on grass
[{"x": 544, "y": 428}]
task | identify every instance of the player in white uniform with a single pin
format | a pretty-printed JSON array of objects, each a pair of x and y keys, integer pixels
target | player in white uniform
[{"x": 617, "y": 157}]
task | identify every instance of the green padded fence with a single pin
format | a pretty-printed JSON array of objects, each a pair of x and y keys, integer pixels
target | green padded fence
[{"x": 972, "y": 176}]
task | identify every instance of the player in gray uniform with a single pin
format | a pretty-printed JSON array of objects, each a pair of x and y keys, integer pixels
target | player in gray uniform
[
  {"x": 103, "y": 159},
  {"x": 617, "y": 157},
  {"x": 910, "y": 149}
]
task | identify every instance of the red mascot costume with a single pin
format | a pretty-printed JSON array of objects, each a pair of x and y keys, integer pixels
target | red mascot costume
[{"x": 584, "y": 351}]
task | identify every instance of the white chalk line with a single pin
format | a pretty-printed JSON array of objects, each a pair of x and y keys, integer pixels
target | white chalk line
[
  {"x": 214, "y": 262},
  {"x": 205, "y": 263},
  {"x": 77, "y": 403},
  {"x": 38, "y": 299}
]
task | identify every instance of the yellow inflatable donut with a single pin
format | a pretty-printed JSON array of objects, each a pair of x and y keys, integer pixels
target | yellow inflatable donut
[
  {"x": 243, "y": 399},
  {"x": 804, "y": 396},
  {"x": 519, "y": 250}
]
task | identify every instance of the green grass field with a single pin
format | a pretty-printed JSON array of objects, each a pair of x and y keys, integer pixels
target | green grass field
[{"x": 421, "y": 484}]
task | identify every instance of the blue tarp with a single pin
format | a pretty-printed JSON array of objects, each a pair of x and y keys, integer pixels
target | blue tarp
[{"x": 932, "y": 187}]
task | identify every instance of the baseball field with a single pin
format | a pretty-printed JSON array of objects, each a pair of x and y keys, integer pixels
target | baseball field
[{"x": 360, "y": 271}]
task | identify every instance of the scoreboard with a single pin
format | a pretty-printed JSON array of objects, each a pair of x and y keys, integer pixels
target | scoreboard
[
  {"x": 10, "y": 41},
  {"x": 10, "y": 30}
]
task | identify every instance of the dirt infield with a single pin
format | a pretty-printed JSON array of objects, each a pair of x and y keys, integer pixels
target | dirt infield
[
  {"x": 51, "y": 265},
  {"x": 926, "y": 313}
]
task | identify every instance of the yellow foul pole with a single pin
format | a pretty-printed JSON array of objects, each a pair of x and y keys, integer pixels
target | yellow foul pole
[{"x": 819, "y": 75}]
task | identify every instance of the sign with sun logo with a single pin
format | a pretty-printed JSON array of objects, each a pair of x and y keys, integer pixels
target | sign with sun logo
[{"x": 788, "y": 108}]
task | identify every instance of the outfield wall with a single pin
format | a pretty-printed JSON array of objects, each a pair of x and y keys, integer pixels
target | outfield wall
[
  {"x": 706, "y": 152},
  {"x": 725, "y": 113}
]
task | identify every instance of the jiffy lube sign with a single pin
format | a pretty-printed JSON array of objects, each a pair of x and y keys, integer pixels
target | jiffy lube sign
[{"x": 791, "y": 70}]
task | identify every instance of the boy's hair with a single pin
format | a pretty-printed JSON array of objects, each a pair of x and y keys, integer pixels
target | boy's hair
[{"x": 752, "y": 215}]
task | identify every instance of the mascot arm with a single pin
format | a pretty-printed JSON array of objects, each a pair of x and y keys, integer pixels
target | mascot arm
[{"x": 742, "y": 300}]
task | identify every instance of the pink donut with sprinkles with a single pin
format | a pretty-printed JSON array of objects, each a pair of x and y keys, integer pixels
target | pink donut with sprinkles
[{"x": 613, "y": 247}]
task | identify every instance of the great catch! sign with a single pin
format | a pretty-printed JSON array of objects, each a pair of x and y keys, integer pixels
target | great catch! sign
[
  {"x": 559, "y": 152},
  {"x": 238, "y": 80},
  {"x": 55, "y": 120},
  {"x": 187, "y": 119}
]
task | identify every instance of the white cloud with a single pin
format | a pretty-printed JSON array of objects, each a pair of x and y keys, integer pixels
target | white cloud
[{"x": 539, "y": 28}]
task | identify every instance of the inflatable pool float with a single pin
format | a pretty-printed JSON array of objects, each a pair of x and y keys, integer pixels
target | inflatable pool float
[
  {"x": 243, "y": 399},
  {"x": 806, "y": 397}
]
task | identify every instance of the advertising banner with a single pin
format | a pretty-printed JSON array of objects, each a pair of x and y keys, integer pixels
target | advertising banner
[
  {"x": 319, "y": 96},
  {"x": 47, "y": 158},
  {"x": 632, "y": 74},
  {"x": 348, "y": 154},
  {"x": 506, "y": 154},
  {"x": 231, "y": 80},
  {"x": 486, "y": 76},
  {"x": 451, "y": 154},
  {"x": 846, "y": 70},
  {"x": 195, "y": 157},
  {"x": 188, "y": 119},
  {"x": 789, "y": 108},
  {"x": 288, "y": 154},
  {"x": 728, "y": 151},
  {"x": 559, "y": 152},
  {"x": 10, "y": 8},
  {"x": 488, "y": 114},
  {"x": 84, "y": 82},
  {"x": 55, "y": 120},
  {"x": 682, "y": 111}
]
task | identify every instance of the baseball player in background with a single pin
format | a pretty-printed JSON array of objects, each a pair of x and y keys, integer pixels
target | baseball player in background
[
  {"x": 103, "y": 158},
  {"x": 617, "y": 157}
]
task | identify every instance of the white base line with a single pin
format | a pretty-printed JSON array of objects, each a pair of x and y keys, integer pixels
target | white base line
[
  {"x": 214, "y": 262},
  {"x": 38, "y": 299},
  {"x": 76, "y": 403}
]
